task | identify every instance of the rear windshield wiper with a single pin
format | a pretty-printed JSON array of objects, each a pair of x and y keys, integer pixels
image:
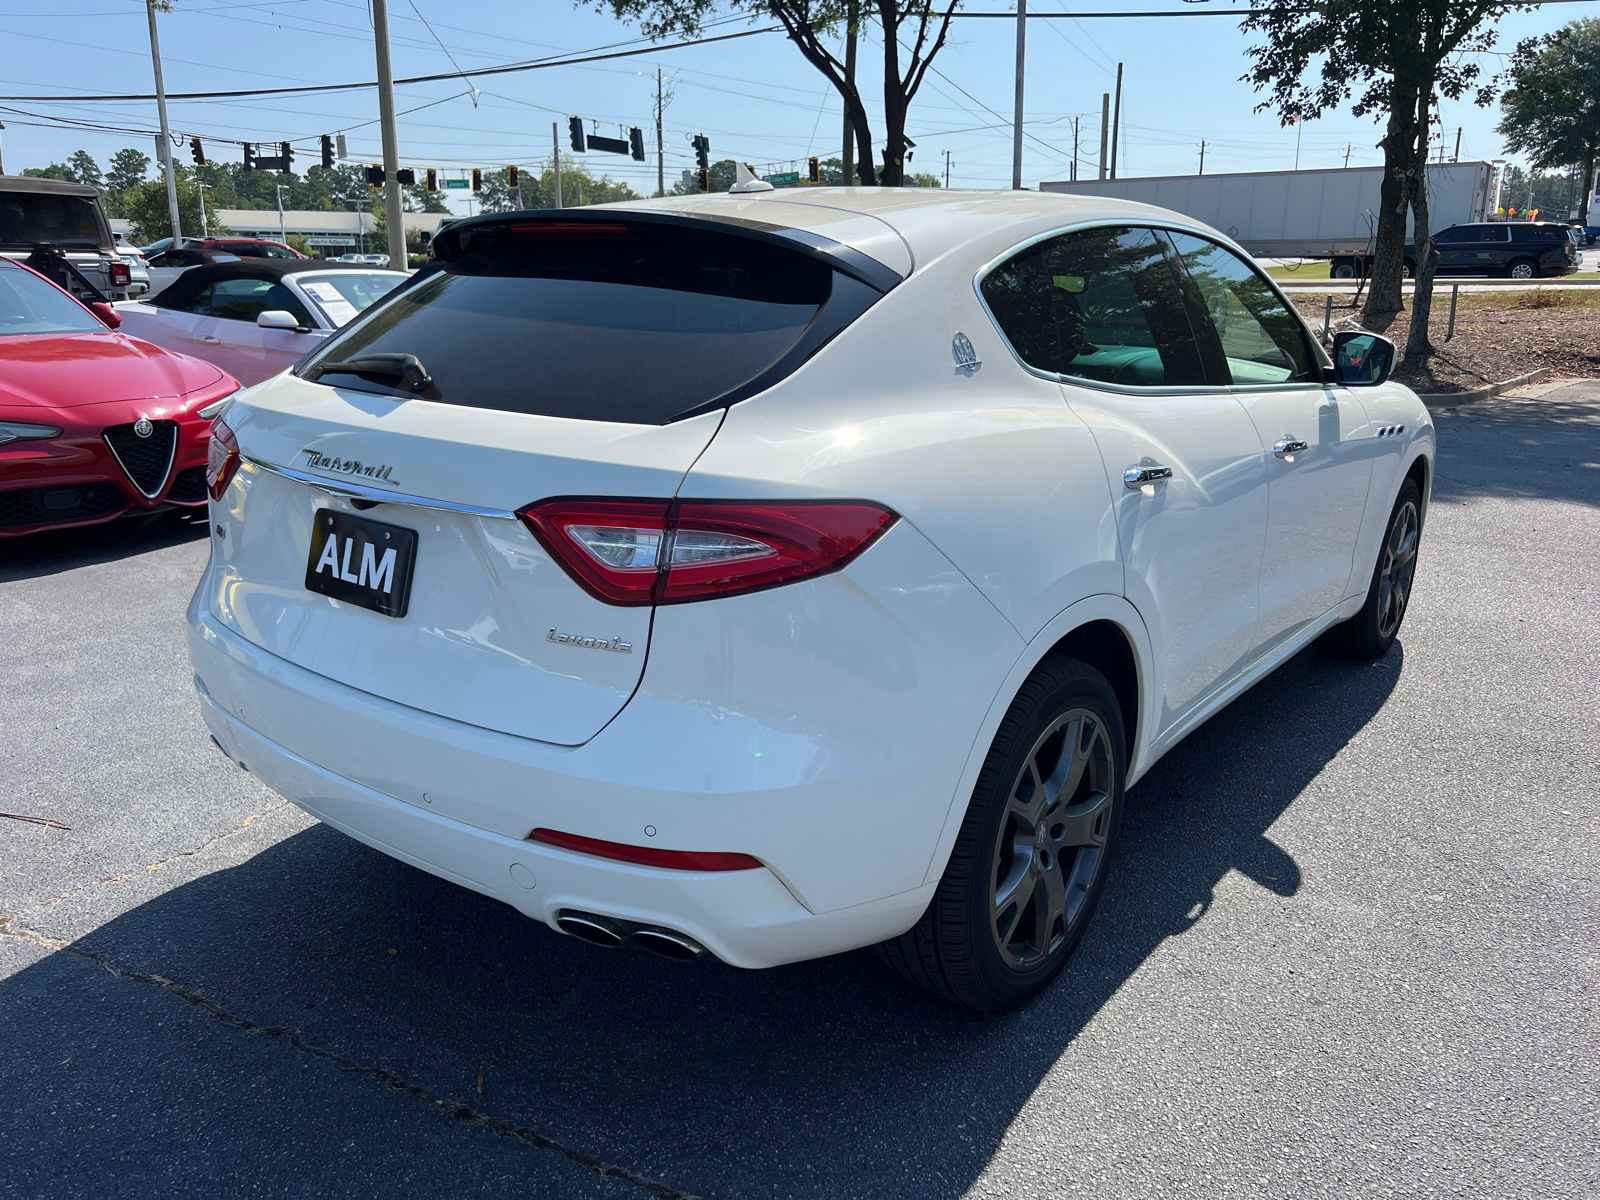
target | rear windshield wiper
[{"x": 405, "y": 369}]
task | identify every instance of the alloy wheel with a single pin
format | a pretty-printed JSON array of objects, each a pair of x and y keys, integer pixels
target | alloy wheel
[
  {"x": 1052, "y": 838},
  {"x": 1398, "y": 567},
  {"x": 1522, "y": 271}
]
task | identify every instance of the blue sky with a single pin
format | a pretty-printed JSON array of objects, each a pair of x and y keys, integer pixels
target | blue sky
[{"x": 755, "y": 98}]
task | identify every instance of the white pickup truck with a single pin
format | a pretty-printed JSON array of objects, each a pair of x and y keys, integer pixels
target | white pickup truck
[{"x": 60, "y": 230}]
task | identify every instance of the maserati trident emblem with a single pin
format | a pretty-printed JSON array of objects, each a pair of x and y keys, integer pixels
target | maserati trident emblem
[
  {"x": 966, "y": 357},
  {"x": 143, "y": 427}
]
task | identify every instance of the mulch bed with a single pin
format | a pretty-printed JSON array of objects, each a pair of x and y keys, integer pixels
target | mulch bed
[{"x": 1492, "y": 342}]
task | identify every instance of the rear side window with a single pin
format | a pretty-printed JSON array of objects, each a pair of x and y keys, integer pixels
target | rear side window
[
  {"x": 1538, "y": 233},
  {"x": 1262, "y": 341},
  {"x": 600, "y": 321},
  {"x": 247, "y": 299},
  {"x": 1098, "y": 304}
]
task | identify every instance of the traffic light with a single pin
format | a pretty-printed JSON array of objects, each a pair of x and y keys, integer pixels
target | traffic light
[
  {"x": 375, "y": 176},
  {"x": 636, "y": 143},
  {"x": 511, "y": 178},
  {"x": 287, "y": 152},
  {"x": 406, "y": 176},
  {"x": 575, "y": 129},
  {"x": 432, "y": 177},
  {"x": 704, "y": 178},
  {"x": 249, "y": 157},
  {"x": 813, "y": 170},
  {"x": 199, "y": 154},
  {"x": 339, "y": 142},
  {"x": 477, "y": 179},
  {"x": 327, "y": 153},
  {"x": 702, "y": 154}
]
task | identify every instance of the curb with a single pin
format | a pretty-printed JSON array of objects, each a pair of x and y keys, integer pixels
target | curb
[{"x": 1489, "y": 392}]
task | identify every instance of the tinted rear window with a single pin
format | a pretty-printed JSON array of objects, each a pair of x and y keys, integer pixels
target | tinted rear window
[
  {"x": 41, "y": 217},
  {"x": 603, "y": 322},
  {"x": 1538, "y": 233}
]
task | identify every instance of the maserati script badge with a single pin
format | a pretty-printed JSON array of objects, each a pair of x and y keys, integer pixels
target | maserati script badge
[
  {"x": 589, "y": 643},
  {"x": 143, "y": 427},
  {"x": 318, "y": 461}
]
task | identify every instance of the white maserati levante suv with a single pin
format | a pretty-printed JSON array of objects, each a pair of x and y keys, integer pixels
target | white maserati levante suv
[{"x": 776, "y": 573}]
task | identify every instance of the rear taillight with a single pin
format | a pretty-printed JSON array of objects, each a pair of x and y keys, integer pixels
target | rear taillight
[
  {"x": 635, "y": 552},
  {"x": 121, "y": 274},
  {"x": 648, "y": 856},
  {"x": 222, "y": 458}
]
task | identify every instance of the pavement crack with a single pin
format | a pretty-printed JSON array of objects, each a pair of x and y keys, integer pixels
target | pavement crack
[
  {"x": 455, "y": 1109},
  {"x": 162, "y": 863}
]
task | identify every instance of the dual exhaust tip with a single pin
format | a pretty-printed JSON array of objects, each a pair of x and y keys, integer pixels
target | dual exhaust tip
[{"x": 611, "y": 932}]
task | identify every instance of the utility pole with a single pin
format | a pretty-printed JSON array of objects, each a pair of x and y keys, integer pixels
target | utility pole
[
  {"x": 1105, "y": 130},
  {"x": 1456, "y": 157},
  {"x": 1016, "y": 120},
  {"x": 848, "y": 158},
  {"x": 1202, "y": 156},
  {"x": 205, "y": 229},
  {"x": 661, "y": 149},
  {"x": 164, "y": 143},
  {"x": 2, "y": 160},
  {"x": 1299, "y": 127},
  {"x": 1347, "y": 148},
  {"x": 393, "y": 206},
  {"x": 555, "y": 160},
  {"x": 947, "y": 168},
  {"x": 1116, "y": 123},
  {"x": 283, "y": 234},
  {"x": 1074, "y": 149}
]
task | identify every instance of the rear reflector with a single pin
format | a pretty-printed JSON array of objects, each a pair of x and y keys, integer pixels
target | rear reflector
[
  {"x": 635, "y": 552},
  {"x": 647, "y": 856}
]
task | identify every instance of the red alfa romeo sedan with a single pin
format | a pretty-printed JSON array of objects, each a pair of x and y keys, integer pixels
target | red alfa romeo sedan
[{"x": 94, "y": 424}]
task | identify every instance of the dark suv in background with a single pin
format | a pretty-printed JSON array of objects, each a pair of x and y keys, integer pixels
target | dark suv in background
[{"x": 1519, "y": 249}]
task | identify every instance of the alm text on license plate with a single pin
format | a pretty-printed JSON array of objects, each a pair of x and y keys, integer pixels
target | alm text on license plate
[{"x": 361, "y": 562}]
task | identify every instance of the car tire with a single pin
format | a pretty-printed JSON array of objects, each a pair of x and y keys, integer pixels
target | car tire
[
  {"x": 1371, "y": 632},
  {"x": 1522, "y": 269},
  {"x": 1408, "y": 270},
  {"x": 1031, "y": 858}
]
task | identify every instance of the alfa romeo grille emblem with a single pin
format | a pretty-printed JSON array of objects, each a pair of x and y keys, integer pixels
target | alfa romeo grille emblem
[{"x": 143, "y": 427}]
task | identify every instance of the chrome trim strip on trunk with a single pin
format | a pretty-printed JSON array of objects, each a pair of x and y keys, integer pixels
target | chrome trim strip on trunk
[{"x": 356, "y": 491}]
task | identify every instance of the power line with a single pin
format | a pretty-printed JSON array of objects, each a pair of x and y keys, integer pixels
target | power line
[{"x": 534, "y": 65}]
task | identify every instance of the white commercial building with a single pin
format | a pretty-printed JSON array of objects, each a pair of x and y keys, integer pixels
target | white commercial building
[{"x": 329, "y": 233}]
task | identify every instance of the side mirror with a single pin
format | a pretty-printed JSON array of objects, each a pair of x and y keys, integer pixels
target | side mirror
[
  {"x": 1362, "y": 359},
  {"x": 277, "y": 318},
  {"x": 109, "y": 316}
]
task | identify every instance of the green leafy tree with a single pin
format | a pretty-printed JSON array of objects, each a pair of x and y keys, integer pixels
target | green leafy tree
[
  {"x": 912, "y": 34},
  {"x": 923, "y": 179},
  {"x": 128, "y": 167},
  {"x": 145, "y": 206},
  {"x": 54, "y": 171},
  {"x": 1551, "y": 193},
  {"x": 1551, "y": 112},
  {"x": 1389, "y": 60},
  {"x": 85, "y": 169}
]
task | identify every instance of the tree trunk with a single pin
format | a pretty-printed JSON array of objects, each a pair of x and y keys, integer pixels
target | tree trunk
[
  {"x": 894, "y": 98},
  {"x": 1388, "y": 253},
  {"x": 1418, "y": 347}
]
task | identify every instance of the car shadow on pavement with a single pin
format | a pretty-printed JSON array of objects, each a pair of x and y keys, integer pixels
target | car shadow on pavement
[
  {"x": 55, "y": 550},
  {"x": 1545, "y": 448},
  {"x": 827, "y": 1078}
]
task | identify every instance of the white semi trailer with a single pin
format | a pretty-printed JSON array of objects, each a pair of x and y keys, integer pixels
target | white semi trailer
[{"x": 1301, "y": 214}]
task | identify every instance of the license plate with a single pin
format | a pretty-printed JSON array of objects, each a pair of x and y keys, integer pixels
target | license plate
[{"x": 362, "y": 562}]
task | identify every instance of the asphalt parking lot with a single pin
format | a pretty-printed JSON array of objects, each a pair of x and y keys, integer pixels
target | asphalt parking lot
[{"x": 1350, "y": 946}]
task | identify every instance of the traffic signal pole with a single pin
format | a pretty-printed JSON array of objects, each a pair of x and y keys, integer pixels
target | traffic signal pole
[
  {"x": 394, "y": 208},
  {"x": 1016, "y": 120},
  {"x": 661, "y": 148},
  {"x": 165, "y": 143},
  {"x": 555, "y": 161}
]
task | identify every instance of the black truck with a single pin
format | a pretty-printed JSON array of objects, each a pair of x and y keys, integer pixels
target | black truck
[{"x": 60, "y": 230}]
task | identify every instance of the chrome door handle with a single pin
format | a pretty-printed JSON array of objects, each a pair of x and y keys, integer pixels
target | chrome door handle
[
  {"x": 1286, "y": 446},
  {"x": 206, "y": 337},
  {"x": 1135, "y": 477}
]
